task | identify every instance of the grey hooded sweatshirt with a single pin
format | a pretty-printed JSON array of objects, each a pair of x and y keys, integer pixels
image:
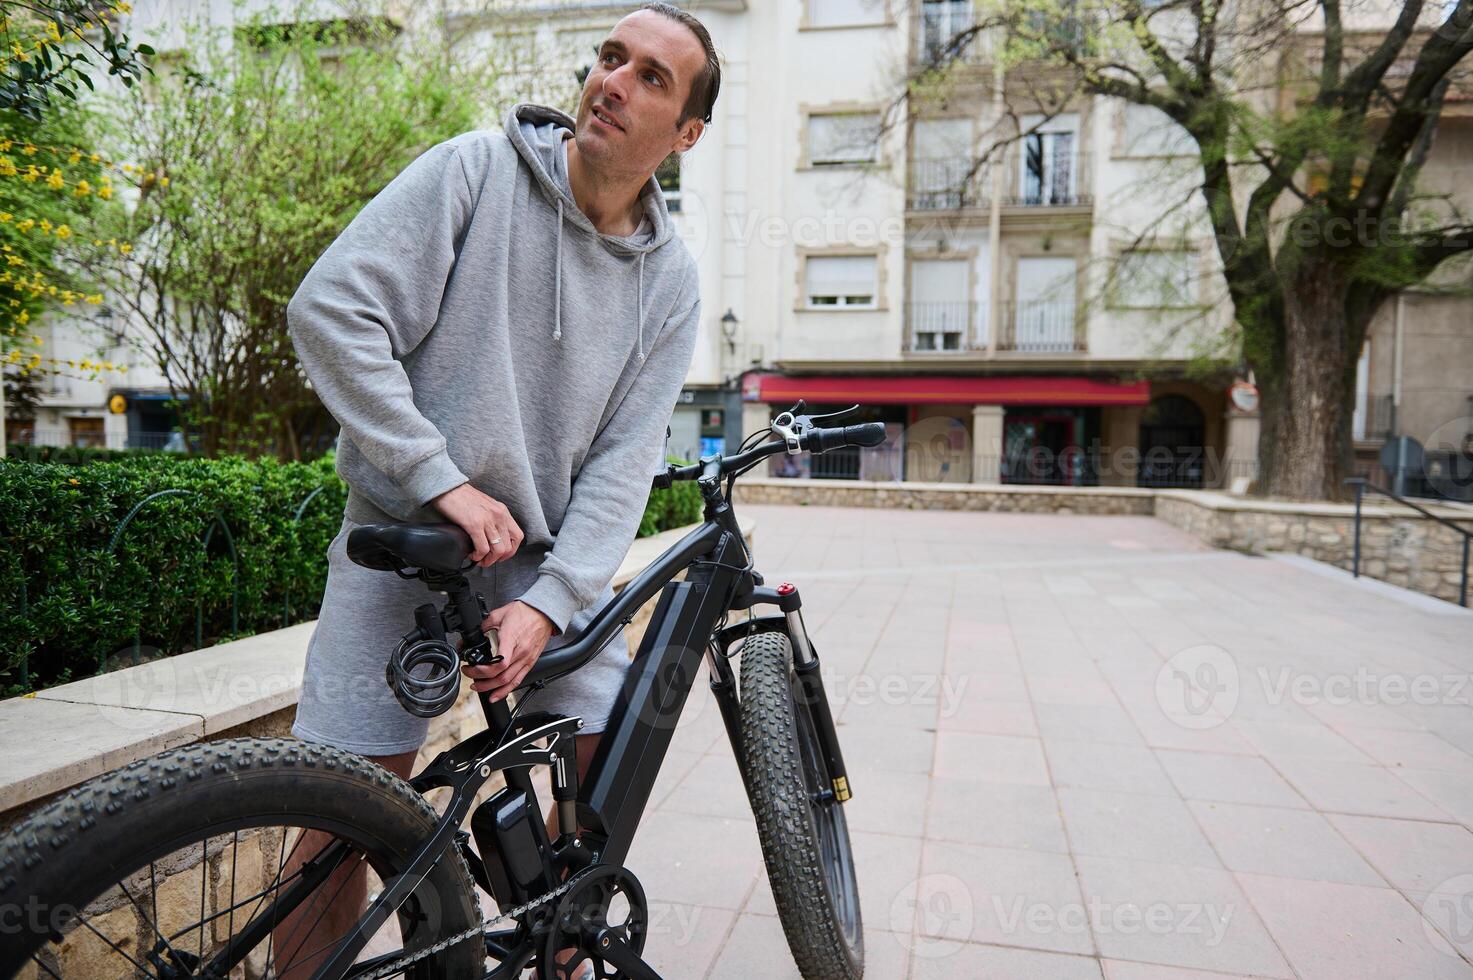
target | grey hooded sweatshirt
[{"x": 471, "y": 324}]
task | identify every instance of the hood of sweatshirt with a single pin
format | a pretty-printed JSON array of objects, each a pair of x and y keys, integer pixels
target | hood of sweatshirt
[{"x": 538, "y": 132}]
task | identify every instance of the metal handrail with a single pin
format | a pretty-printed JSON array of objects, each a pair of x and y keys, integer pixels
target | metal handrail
[
  {"x": 1361, "y": 485},
  {"x": 215, "y": 521},
  {"x": 286, "y": 599}
]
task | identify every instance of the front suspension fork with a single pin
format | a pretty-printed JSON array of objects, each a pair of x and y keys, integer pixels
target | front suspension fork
[{"x": 808, "y": 687}]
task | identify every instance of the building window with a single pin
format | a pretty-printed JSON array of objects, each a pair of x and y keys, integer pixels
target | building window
[
  {"x": 1044, "y": 318},
  {"x": 1156, "y": 279},
  {"x": 1048, "y": 169},
  {"x": 831, "y": 281},
  {"x": 843, "y": 138},
  {"x": 939, "y": 311},
  {"x": 1171, "y": 446},
  {"x": 943, "y": 173},
  {"x": 667, "y": 174},
  {"x": 845, "y": 13},
  {"x": 86, "y": 432}
]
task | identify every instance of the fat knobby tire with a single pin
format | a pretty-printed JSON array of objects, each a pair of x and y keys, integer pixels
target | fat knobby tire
[
  {"x": 773, "y": 770},
  {"x": 84, "y": 842}
]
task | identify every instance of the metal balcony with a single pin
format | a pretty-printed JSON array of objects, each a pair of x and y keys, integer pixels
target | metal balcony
[
  {"x": 1041, "y": 327},
  {"x": 933, "y": 326}
]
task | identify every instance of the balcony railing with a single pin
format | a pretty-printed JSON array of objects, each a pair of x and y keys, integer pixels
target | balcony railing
[
  {"x": 948, "y": 184},
  {"x": 1056, "y": 180},
  {"x": 1040, "y": 327},
  {"x": 939, "y": 326},
  {"x": 959, "y": 182}
]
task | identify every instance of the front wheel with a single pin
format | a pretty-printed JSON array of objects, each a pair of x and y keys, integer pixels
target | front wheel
[{"x": 804, "y": 836}]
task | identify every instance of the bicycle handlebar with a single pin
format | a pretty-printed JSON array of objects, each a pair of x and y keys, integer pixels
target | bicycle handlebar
[{"x": 811, "y": 440}]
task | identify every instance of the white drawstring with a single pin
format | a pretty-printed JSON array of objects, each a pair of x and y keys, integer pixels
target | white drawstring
[
  {"x": 639, "y": 305},
  {"x": 557, "y": 289},
  {"x": 557, "y": 279}
]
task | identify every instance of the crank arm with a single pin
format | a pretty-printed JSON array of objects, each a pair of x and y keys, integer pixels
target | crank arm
[{"x": 617, "y": 952}]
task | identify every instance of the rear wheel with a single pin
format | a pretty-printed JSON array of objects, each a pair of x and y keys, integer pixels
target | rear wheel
[
  {"x": 172, "y": 867},
  {"x": 804, "y": 836}
]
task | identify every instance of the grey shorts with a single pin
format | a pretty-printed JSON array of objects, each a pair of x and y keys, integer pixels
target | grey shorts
[{"x": 345, "y": 700}]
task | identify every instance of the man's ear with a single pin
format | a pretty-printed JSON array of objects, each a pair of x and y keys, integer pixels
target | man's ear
[{"x": 689, "y": 136}]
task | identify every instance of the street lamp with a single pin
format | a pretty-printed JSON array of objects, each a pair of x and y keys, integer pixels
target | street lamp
[{"x": 729, "y": 329}]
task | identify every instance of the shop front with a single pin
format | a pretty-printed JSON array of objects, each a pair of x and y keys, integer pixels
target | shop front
[{"x": 1042, "y": 429}]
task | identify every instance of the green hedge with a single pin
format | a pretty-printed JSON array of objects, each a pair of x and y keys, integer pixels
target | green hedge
[{"x": 69, "y": 606}]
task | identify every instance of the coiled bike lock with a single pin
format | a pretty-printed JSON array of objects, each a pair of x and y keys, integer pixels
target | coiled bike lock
[{"x": 424, "y": 670}]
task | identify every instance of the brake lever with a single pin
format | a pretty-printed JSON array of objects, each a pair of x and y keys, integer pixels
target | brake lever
[{"x": 824, "y": 421}]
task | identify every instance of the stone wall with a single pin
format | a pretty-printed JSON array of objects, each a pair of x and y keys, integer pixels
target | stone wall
[
  {"x": 946, "y": 496},
  {"x": 1398, "y": 545}
]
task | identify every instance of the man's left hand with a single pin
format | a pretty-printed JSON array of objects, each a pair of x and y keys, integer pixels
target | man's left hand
[{"x": 521, "y": 632}]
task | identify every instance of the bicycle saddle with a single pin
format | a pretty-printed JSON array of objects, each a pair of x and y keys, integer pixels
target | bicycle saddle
[{"x": 397, "y": 547}]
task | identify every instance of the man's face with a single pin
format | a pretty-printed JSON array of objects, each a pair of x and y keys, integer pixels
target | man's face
[{"x": 634, "y": 94}]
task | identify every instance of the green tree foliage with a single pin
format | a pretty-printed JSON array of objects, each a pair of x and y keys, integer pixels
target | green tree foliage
[
  {"x": 49, "y": 47},
  {"x": 256, "y": 148}
]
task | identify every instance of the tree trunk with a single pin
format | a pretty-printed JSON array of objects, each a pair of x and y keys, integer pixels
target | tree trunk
[{"x": 1306, "y": 444}]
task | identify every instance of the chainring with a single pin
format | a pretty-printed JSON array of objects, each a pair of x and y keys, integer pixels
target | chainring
[{"x": 604, "y": 896}]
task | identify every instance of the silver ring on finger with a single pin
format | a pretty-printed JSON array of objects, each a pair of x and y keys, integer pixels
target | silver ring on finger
[{"x": 495, "y": 540}]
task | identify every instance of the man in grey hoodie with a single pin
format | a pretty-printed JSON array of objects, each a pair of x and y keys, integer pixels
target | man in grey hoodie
[{"x": 502, "y": 334}]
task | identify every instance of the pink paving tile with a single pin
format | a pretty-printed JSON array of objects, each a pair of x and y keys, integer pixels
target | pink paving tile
[{"x": 1336, "y": 931}]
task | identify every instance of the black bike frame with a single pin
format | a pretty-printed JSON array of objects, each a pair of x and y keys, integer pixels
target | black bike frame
[{"x": 682, "y": 631}]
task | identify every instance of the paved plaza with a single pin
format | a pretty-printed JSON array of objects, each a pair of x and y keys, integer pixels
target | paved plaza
[{"x": 1087, "y": 747}]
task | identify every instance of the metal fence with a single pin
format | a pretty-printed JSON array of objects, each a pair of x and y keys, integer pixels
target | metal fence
[
  {"x": 1041, "y": 327},
  {"x": 117, "y": 544},
  {"x": 24, "y": 435}
]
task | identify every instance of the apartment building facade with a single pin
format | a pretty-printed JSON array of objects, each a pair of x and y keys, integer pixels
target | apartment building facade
[
  {"x": 970, "y": 305},
  {"x": 1032, "y": 318}
]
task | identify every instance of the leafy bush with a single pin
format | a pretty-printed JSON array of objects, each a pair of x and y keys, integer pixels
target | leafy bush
[{"x": 70, "y": 605}]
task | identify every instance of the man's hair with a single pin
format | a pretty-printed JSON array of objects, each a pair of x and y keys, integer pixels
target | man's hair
[{"x": 705, "y": 86}]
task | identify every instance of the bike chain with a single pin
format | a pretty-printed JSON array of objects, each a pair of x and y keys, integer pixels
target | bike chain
[{"x": 397, "y": 966}]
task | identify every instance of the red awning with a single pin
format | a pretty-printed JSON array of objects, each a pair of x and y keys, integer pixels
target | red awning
[{"x": 926, "y": 388}]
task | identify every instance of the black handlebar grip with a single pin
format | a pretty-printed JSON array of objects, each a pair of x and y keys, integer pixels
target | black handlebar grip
[{"x": 865, "y": 434}]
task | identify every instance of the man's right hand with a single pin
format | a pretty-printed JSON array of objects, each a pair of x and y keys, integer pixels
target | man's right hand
[{"x": 494, "y": 534}]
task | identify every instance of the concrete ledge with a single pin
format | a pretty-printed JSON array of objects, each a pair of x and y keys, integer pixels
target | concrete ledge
[
  {"x": 66, "y": 735},
  {"x": 217, "y": 688},
  {"x": 1416, "y": 600},
  {"x": 54, "y": 745},
  {"x": 1216, "y": 500}
]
